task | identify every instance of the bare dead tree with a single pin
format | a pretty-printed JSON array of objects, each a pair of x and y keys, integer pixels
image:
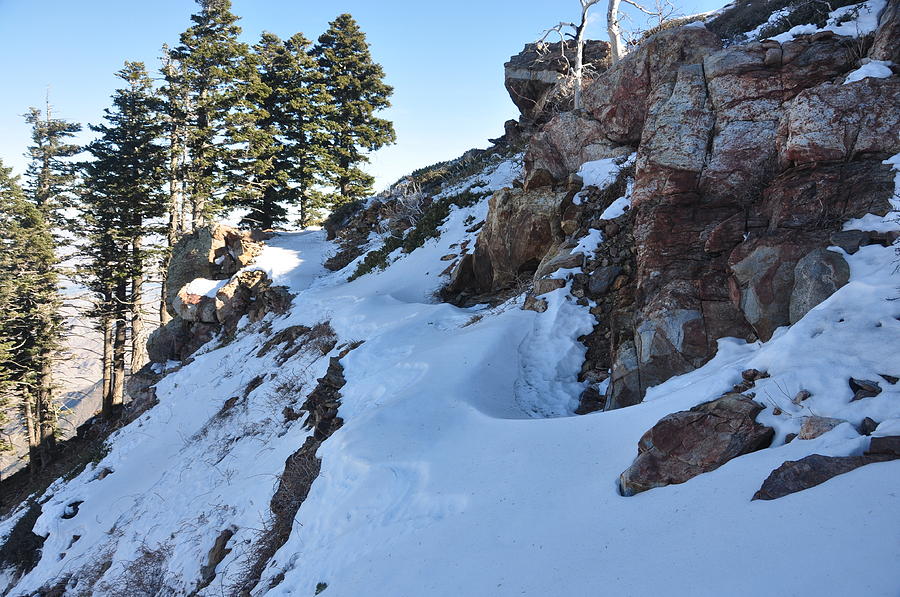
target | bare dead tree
[
  {"x": 575, "y": 33},
  {"x": 660, "y": 12}
]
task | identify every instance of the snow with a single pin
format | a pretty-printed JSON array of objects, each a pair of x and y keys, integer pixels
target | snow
[
  {"x": 204, "y": 287},
  {"x": 589, "y": 242},
  {"x": 877, "y": 69},
  {"x": 460, "y": 470},
  {"x": 601, "y": 174},
  {"x": 861, "y": 19}
]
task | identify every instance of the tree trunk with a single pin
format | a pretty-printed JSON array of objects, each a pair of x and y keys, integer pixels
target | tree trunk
[
  {"x": 579, "y": 60},
  {"x": 117, "y": 389},
  {"x": 138, "y": 341},
  {"x": 46, "y": 414},
  {"x": 614, "y": 31},
  {"x": 107, "y": 362}
]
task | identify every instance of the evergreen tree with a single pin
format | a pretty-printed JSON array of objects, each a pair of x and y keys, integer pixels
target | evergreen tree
[
  {"x": 281, "y": 132},
  {"x": 123, "y": 193},
  {"x": 175, "y": 110},
  {"x": 356, "y": 89},
  {"x": 29, "y": 316},
  {"x": 51, "y": 176},
  {"x": 211, "y": 61}
]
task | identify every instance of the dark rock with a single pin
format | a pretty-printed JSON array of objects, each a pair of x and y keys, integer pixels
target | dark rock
[
  {"x": 891, "y": 379},
  {"x": 752, "y": 375},
  {"x": 850, "y": 240},
  {"x": 801, "y": 396},
  {"x": 590, "y": 401},
  {"x": 863, "y": 388},
  {"x": 790, "y": 437},
  {"x": 887, "y": 445},
  {"x": 797, "y": 475},
  {"x": 685, "y": 444},
  {"x": 602, "y": 278},
  {"x": 867, "y": 426}
]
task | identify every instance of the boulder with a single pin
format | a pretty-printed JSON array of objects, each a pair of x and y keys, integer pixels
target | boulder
[
  {"x": 214, "y": 252},
  {"x": 685, "y": 444},
  {"x": 233, "y": 300},
  {"x": 817, "y": 276},
  {"x": 521, "y": 229},
  {"x": 764, "y": 281},
  {"x": 535, "y": 77},
  {"x": 178, "y": 339},
  {"x": 797, "y": 475},
  {"x": 813, "y": 427},
  {"x": 193, "y": 305}
]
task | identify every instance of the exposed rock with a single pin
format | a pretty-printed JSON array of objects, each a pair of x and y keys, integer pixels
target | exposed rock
[
  {"x": 800, "y": 396},
  {"x": 885, "y": 445},
  {"x": 885, "y": 46},
  {"x": 566, "y": 142},
  {"x": 214, "y": 252},
  {"x": 178, "y": 339},
  {"x": 817, "y": 276},
  {"x": 545, "y": 285},
  {"x": 851, "y": 240},
  {"x": 685, "y": 444},
  {"x": 590, "y": 401},
  {"x": 863, "y": 388},
  {"x": 753, "y": 375},
  {"x": 535, "y": 77},
  {"x": 797, "y": 475},
  {"x": 622, "y": 96},
  {"x": 194, "y": 307},
  {"x": 532, "y": 303},
  {"x": 814, "y": 426},
  {"x": 867, "y": 426},
  {"x": 764, "y": 275},
  {"x": 825, "y": 123},
  {"x": 521, "y": 228},
  {"x": 602, "y": 278}
]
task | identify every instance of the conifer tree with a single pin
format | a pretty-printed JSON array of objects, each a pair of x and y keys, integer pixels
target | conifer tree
[
  {"x": 211, "y": 61},
  {"x": 281, "y": 132},
  {"x": 123, "y": 193},
  {"x": 51, "y": 176},
  {"x": 29, "y": 316},
  {"x": 357, "y": 90}
]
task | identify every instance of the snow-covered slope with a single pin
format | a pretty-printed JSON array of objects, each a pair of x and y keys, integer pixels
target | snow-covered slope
[{"x": 458, "y": 470}]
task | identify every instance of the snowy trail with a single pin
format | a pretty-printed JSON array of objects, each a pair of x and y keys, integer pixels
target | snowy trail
[{"x": 459, "y": 469}]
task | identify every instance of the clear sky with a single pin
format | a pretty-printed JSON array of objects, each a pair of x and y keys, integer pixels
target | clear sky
[{"x": 444, "y": 59}]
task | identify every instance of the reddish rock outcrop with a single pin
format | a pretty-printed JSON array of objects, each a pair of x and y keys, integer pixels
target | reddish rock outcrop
[
  {"x": 749, "y": 160},
  {"x": 685, "y": 444}
]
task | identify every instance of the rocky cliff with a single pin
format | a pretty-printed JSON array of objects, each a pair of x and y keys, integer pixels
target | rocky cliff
[{"x": 749, "y": 159}]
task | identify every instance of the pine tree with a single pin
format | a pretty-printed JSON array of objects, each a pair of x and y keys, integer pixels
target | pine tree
[
  {"x": 51, "y": 176},
  {"x": 123, "y": 193},
  {"x": 281, "y": 132},
  {"x": 29, "y": 316},
  {"x": 355, "y": 86},
  {"x": 211, "y": 61}
]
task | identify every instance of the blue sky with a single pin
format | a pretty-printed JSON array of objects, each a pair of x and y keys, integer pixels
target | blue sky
[{"x": 444, "y": 59}]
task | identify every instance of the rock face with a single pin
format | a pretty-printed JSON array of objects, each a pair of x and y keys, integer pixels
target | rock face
[
  {"x": 212, "y": 253},
  {"x": 749, "y": 160},
  {"x": 535, "y": 77},
  {"x": 685, "y": 444}
]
